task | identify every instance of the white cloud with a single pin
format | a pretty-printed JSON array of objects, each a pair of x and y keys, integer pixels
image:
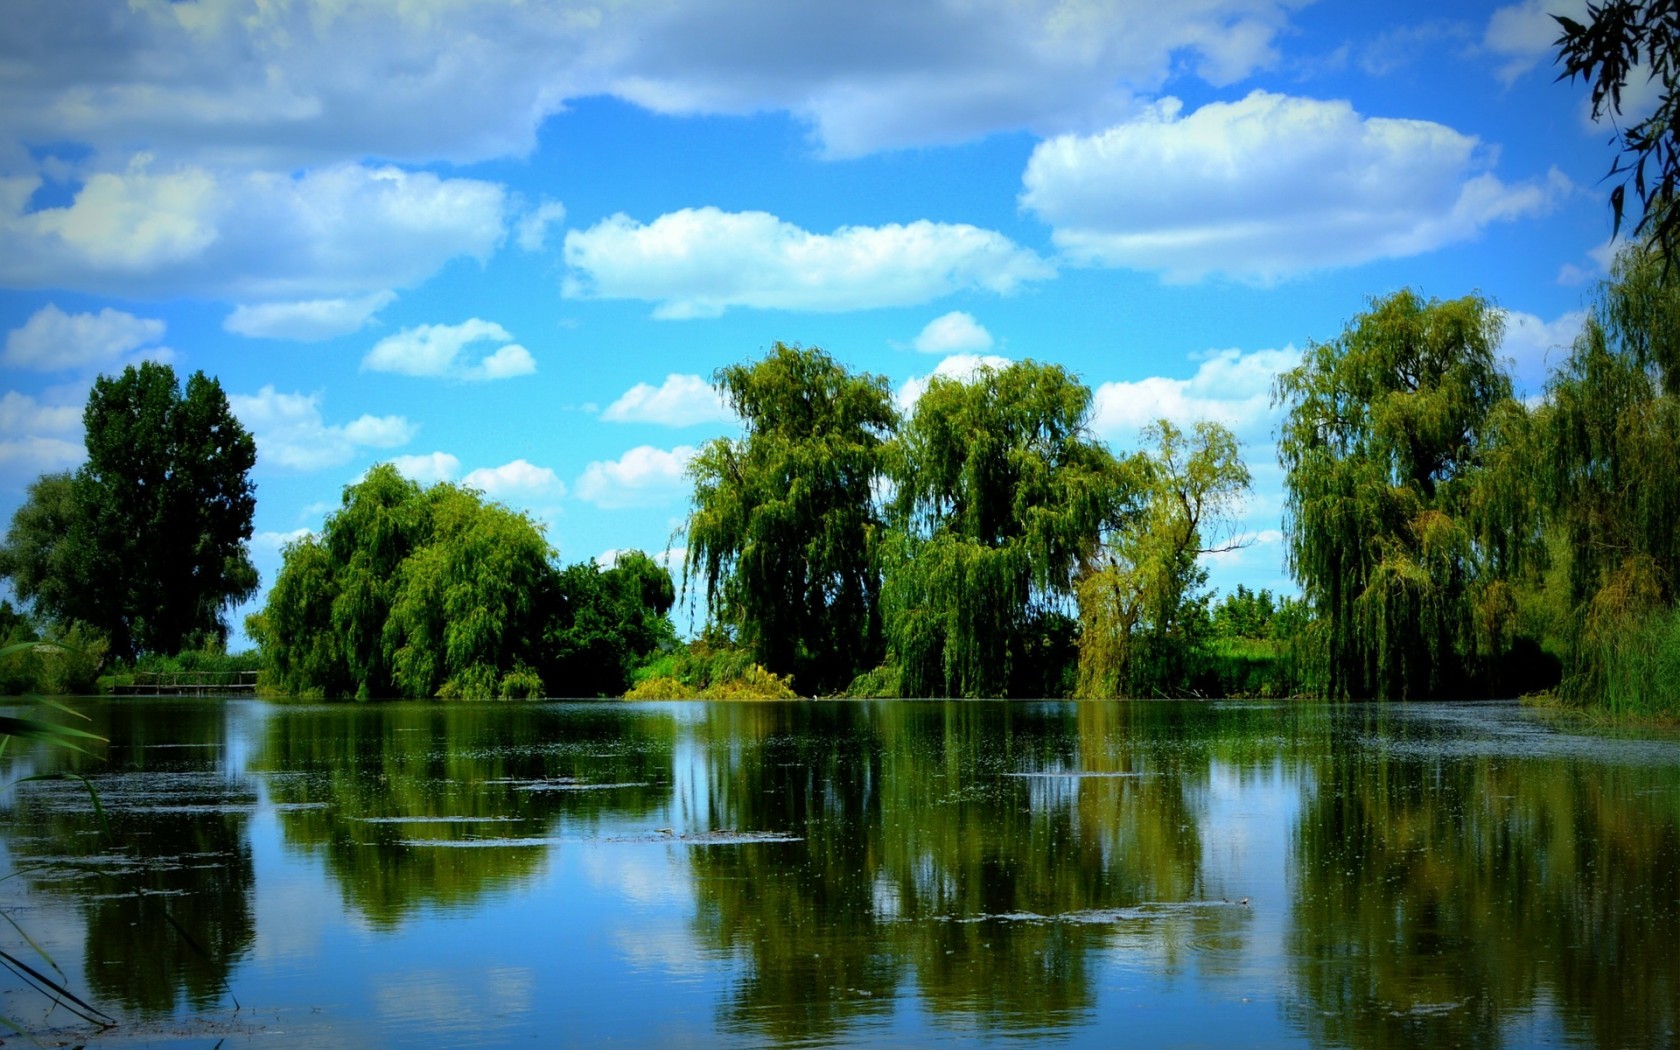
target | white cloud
[
  {"x": 277, "y": 541},
  {"x": 427, "y": 469},
  {"x": 291, "y": 85},
  {"x": 308, "y": 321},
  {"x": 1522, "y": 34},
  {"x": 952, "y": 333},
  {"x": 37, "y": 438},
  {"x": 290, "y": 432},
  {"x": 327, "y": 233},
  {"x": 698, "y": 262},
  {"x": 519, "y": 477},
  {"x": 680, "y": 401},
  {"x": 1229, "y": 387},
  {"x": 961, "y": 367},
  {"x": 52, "y": 340},
  {"x": 1268, "y": 187},
  {"x": 441, "y": 350},
  {"x": 1537, "y": 347},
  {"x": 39, "y": 455},
  {"x": 531, "y": 233},
  {"x": 642, "y": 477}
]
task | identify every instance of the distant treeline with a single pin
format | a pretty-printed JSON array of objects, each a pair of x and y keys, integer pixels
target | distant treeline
[{"x": 1448, "y": 539}]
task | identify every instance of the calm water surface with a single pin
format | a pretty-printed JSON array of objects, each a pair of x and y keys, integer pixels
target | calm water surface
[{"x": 898, "y": 874}]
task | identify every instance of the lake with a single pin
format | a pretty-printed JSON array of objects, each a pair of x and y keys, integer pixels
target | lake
[{"x": 850, "y": 874}]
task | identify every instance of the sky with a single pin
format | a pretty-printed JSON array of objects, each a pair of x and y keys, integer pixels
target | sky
[{"x": 506, "y": 243}]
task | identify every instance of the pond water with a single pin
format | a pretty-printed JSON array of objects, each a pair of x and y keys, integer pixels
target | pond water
[{"x": 895, "y": 873}]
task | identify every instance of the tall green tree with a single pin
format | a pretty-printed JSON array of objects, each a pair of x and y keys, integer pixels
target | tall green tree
[
  {"x": 411, "y": 592},
  {"x": 608, "y": 622},
  {"x": 1001, "y": 495},
  {"x": 1607, "y": 442},
  {"x": 1141, "y": 605},
  {"x": 784, "y": 528},
  {"x": 1385, "y": 441},
  {"x": 151, "y": 548}
]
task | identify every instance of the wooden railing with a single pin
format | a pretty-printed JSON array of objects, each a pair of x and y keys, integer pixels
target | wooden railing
[{"x": 190, "y": 683}]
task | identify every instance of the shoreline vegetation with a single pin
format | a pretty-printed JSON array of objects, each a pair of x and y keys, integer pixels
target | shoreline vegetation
[{"x": 1449, "y": 541}]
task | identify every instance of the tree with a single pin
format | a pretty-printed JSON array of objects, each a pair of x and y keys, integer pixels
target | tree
[
  {"x": 1619, "y": 39},
  {"x": 1141, "y": 606},
  {"x": 1385, "y": 441},
  {"x": 784, "y": 527},
  {"x": 411, "y": 592},
  {"x": 608, "y": 622},
  {"x": 151, "y": 530},
  {"x": 1607, "y": 440},
  {"x": 1000, "y": 497}
]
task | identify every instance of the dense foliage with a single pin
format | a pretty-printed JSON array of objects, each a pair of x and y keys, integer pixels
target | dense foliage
[
  {"x": 784, "y": 527},
  {"x": 434, "y": 592},
  {"x": 1607, "y": 440},
  {"x": 1001, "y": 495},
  {"x": 1142, "y": 608},
  {"x": 145, "y": 544},
  {"x": 1385, "y": 440}
]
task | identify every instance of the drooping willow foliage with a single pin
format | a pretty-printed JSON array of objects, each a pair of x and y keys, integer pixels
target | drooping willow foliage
[
  {"x": 411, "y": 592},
  {"x": 1140, "y": 606},
  {"x": 1392, "y": 522},
  {"x": 785, "y": 526},
  {"x": 1000, "y": 497},
  {"x": 1608, "y": 472}
]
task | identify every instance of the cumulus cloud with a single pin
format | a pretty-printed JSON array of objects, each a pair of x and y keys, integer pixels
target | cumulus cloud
[
  {"x": 1229, "y": 387},
  {"x": 1521, "y": 35},
  {"x": 1268, "y": 187},
  {"x": 698, "y": 262},
  {"x": 427, "y": 469},
  {"x": 443, "y": 350},
  {"x": 952, "y": 333},
  {"x": 643, "y": 477},
  {"x": 1536, "y": 346},
  {"x": 251, "y": 235},
  {"x": 274, "y": 541},
  {"x": 290, "y": 431},
  {"x": 308, "y": 321},
  {"x": 38, "y": 438},
  {"x": 961, "y": 367},
  {"x": 531, "y": 233},
  {"x": 519, "y": 477},
  {"x": 680, "y": 401},
  {"x": 292, "y": 85},
  {"x": 52, "y": 340}
]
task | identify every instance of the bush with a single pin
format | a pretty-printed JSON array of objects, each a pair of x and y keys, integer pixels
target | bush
[{"x": 704, "y": 670}]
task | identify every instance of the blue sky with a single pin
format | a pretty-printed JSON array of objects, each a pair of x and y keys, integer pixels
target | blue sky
[{"x": 507, "y": 243}]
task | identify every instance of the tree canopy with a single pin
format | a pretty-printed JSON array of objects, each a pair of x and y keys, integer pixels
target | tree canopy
[
  {"x": 146, "y": 542},
  {"x": 1000, "y": 496},
  {"x": 784, "y": 526},
  {"x": 1385, "y": 435},
  {"x": 1142, "y": 602}
]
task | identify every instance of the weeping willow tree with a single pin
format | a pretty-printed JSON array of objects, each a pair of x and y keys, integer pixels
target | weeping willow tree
[
  {"x": 410, "y": 592},
  {"x": 784, "y": 527},
  {"x": 1390, "y": 527},
  {"x": 1139, "y": 606},
  {"x": 1608, "y": 437},
  {"x": 1000, "y": 497}
]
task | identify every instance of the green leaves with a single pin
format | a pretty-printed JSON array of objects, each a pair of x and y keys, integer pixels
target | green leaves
[
  {"x": 411, "y": 592},
  {"x": 1387, "y": 439},
  {"x": 1000, "y": 496},
  {"x": 146, "y": 541},
  {"x": 784, "y": 526}
]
